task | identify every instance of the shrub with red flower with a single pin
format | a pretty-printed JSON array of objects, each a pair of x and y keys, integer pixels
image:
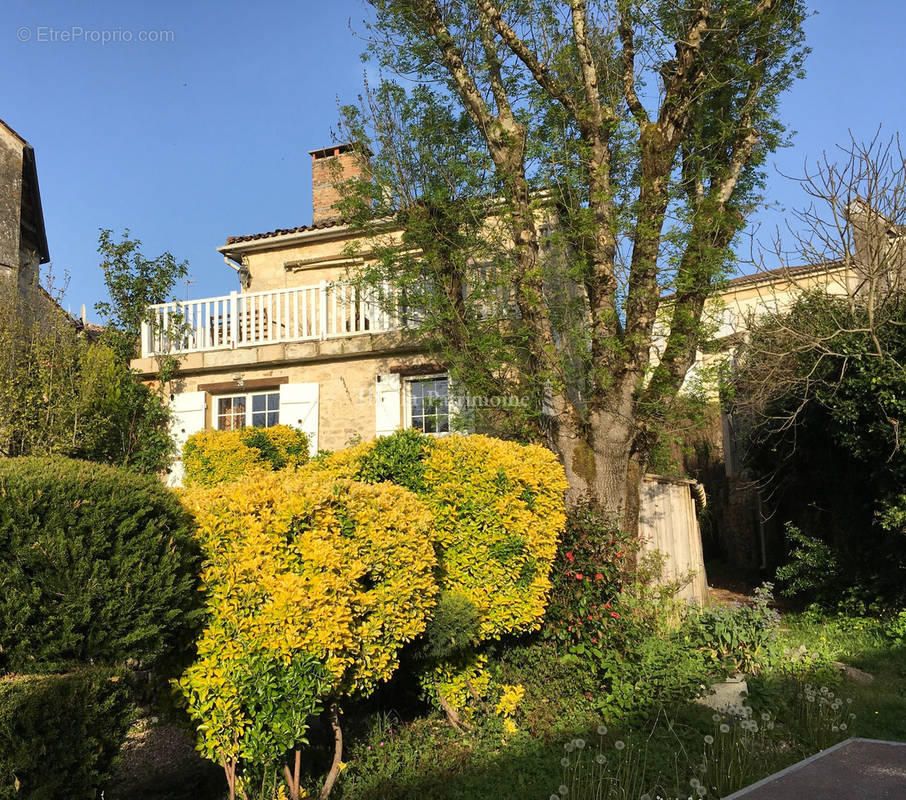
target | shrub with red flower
[{"x": 595, "y": 560}]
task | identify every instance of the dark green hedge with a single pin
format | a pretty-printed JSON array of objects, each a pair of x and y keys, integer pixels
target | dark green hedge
[
  {"x": 60, "y": 734},
  {"x": 98, "y": 565}
]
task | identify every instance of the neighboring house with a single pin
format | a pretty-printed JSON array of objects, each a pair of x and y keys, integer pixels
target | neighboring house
[
  {"x": 23, "y": 240},
  {"x": 296, "y": 344},
  {"x": 871, "y": 269}
]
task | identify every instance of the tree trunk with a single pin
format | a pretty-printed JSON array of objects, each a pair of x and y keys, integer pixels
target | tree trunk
[
  {"x": 602, "y": 465},
  {"x": 335, "y": 767}
]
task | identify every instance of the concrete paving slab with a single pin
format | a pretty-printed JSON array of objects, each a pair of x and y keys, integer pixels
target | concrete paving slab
[{"x": 856, "y": 769}]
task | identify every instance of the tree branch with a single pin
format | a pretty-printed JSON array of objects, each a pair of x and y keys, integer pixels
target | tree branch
[
  {"x": 627, "y": 37},
  {"x": 520, "y": 49}
]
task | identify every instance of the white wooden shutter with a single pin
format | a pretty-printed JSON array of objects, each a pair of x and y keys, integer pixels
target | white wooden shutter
[
  {"x": 299, "y": 409},
  {"x": 186, "y": 417},
  {"x": 387, "y": 404}
]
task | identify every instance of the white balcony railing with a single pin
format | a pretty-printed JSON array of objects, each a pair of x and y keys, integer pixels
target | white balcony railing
[{"x": 251, "y": 319}]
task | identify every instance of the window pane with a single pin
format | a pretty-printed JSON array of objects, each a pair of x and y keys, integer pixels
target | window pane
[
  {"x": 273, "y": 417},
  {"x": 273, "y": 402},
  {"x": 231, "y": 413},
  {"x": 259, "y": 419},
  {"x": 428, "y": 405},
  {"x": 259, "y": 402}
]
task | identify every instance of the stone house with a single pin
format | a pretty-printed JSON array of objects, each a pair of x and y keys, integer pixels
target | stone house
[
  {"x": 23, "y": 239},
  {"x": 295, "y": 343}
]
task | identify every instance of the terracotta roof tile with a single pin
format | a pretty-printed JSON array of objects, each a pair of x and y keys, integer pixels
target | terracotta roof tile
[{"x": 251, "y": 237}]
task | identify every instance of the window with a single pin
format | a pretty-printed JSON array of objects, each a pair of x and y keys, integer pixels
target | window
[
  {"x": 427, "y": 404},
  {"x": 256, "y": 410}
]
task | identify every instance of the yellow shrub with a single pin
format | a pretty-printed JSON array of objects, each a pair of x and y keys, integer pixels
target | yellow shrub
[
  {"x": 498, "y": 512},
  {"x": 302, "y": 565},
  {"x": 465, "y": 684},
  {"x": 211, "y": 457}
]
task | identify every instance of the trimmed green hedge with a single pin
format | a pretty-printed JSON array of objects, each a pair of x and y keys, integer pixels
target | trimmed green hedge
[
  {"x": 60, "y": 734},
  {"x": 99, "y": 566}
]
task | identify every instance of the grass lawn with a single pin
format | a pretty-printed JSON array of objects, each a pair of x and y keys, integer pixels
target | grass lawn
[
  {"x": 424, "y": 758},
  {"x": 395, "y": 752},
  {"x": 880, "y": 706}
]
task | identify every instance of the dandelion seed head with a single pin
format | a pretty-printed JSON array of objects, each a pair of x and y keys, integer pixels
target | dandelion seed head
[
  {"x": 602, "y": 730},
  {"x": 724, "y": 728},
  {"x": 619, "y": 744},
  {"x": 564, "y": 762},
  {"x": 564, "y": 789},
  {"x": 579, "y": 744},
  {"x": 601, "y": 758},
  {"x": 709, "y": 739}
]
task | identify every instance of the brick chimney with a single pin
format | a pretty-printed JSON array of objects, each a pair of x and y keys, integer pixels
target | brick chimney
[{"x": 330, "y": 166}]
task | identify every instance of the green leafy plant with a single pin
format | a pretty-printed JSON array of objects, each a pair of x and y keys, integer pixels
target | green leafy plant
[
  {"x": 398, "y": 458},
  {"x": 813, "y": 569},
  {"x": 743, "y": 638},
  {"x": 895, "y": 629},
  {"x": 60, "y": 735},
  {"x": 101, "y": 566}
]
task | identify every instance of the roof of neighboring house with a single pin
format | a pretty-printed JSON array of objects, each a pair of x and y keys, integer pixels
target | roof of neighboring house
[
  {"x": 772, "y": 275},
  {"x": 767, "y": 275},
  {"x": 13, "y": 132},
  {"x": 251, "y": 237}
]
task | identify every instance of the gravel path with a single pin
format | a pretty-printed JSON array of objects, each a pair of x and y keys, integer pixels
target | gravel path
[{"x": 159, "y": 762}]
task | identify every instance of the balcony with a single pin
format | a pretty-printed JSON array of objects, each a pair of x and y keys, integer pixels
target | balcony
[{"x": 251, "y": 319}]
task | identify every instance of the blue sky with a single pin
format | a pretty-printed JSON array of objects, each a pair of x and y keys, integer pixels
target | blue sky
[{"x": 206, "y": 135}]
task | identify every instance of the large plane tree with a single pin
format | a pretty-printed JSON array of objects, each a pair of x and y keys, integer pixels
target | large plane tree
[{"x": 554, "y": 169}]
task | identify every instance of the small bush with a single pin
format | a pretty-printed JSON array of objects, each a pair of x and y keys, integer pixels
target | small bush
[
  {"x": 211, "y": 457},
  {"x": 741, "y": 638},
  {"x": 399, "y": 458},
  {"x": 60, "y": 734},
  {"x": 617, "y": 623},
  {"x": 594, "y": 561},
  {"x": 100, "y": 566},
  {"x": 498, "y": 512},
  {"x": 895, "y": 629},
  {"x": 813, "y": 569}
]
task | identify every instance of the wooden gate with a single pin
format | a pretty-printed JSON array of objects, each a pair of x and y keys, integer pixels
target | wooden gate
[{"x": 668, "y": 523}]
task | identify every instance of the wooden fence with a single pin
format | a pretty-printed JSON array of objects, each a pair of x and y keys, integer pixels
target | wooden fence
[{"x": 668, "y": 523}]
